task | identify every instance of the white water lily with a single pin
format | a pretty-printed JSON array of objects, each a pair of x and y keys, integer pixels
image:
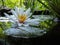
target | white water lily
[
  {"x": 22, "y": 22},
  {"x": 22, "y": 17}
]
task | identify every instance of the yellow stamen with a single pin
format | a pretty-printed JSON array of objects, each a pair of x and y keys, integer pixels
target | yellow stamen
[{"x": 22, "y": 18}]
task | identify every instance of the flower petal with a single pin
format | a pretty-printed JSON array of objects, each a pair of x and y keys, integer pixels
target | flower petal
[
  {"x": 14, "y": 13},
  {"x": 34, "y": 23},
  {"x": 32, "y": 20},
  {"x": 17, "y": 10},
  {"x": 6, "y": 15},
  {"x": 28, "y": 12},
  {"x": 10, "y": 18},
  {"x": 21, "y": 11},
  {"x": 19, "y": 24},
  {"x": 26, "y": 25},
  {"x": 13, "y": 31},
  {"x": 32, "y": 30},
  {"x": 4, "y": 20},
  {"x": 29, "y": 15},
  {"x": 24, "y": 29}
]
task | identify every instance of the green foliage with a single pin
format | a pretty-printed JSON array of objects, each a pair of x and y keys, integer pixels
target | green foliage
[
  {"x": 4, "y": 26},
  {"x": 1, "y": 4},
  {"x": 43, "y": 5},
  {"x": 11, "y": 3},
  {"x": 48, "y": 24},
  {"x": 54, "y": 5},
  {"x": 33, "y": 4}
]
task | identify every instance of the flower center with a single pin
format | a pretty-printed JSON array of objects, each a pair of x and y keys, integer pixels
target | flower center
[{"x": 22, "y": 18}]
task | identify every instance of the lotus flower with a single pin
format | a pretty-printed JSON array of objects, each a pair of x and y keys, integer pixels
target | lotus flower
[{"x": 22, "y": 19}]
